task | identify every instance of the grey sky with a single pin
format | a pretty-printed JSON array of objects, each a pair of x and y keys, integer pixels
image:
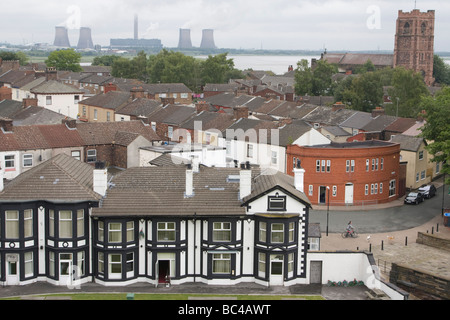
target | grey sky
[{"x": 270, "y": 24}]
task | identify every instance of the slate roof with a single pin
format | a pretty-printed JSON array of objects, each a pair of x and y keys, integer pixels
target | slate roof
[
  {"x": 408, "y": 143},
  {"x": 210, "y": 120},
  {"x": 327, "y": 116},
  {"x": 55, "y": 87},
  {"x": 61, "y": 179},
  {"x": 401, "y": 125},
  {"x": 292, "y": 111},
  {"x": 9, "y": 108},
  {"x": 140, "y": 107},
  {"x": 111, "y": 100},
  {"x": 357, "y": 120},
  {"x": 160, "y": 191},
  {"x": 173, "y": 114},
  {"x": 379, "y": 124},
  {"x": 291, "y": 132},
  {"x": 166, "y": 88},
  {"x": 263, "y": 129}
]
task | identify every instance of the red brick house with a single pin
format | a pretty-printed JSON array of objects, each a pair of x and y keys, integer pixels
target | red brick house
[{"x": 356, "y": 173}]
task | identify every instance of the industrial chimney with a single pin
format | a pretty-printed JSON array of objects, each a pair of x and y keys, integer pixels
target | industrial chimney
[
  {"x": 85, "y": 41},
  {"x": 136, "y": 27},
  {"x": 208, "y": 39},
  {"x": 185, "y": 39},
  {"x": 61, "y": 37}
]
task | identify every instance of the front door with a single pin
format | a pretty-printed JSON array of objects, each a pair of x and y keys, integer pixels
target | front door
[
  {"x": 322, "y": 194},
  {"x": 163, "y": 270},
  {"x": 12, "y": 269},
  {"x": 276, "y": 269},
  {"x": 349, "y": 193},
  {"x": 315, "y": 272},
  {"x": 65, "y": 268}
]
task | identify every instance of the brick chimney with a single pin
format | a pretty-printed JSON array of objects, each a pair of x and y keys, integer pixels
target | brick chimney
[
  {"x": 166, "y": 101},
  {"x": 110, "y": 87},
  {"x": 6, "y": 124},
  {"x": 137, "y": 93},
  {"x": 70, "y": 123},
  {"x": 338, "y": 106},
  {"x": 5, "y": 93},
  {"x": 201, "y": 106},
  {"x": 51, "y": 74},
  {"x": 30, "y": 102},
  {"x": 378, "y": 111},
  {"x": 240, "y": 112}
]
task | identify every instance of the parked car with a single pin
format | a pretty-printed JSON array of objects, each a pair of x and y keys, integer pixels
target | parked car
[
  {"x": 428, "y": 191},
  {"x": 414, "y": 198}
]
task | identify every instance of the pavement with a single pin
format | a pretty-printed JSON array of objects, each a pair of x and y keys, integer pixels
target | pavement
[{"x": 389, "y": 231}]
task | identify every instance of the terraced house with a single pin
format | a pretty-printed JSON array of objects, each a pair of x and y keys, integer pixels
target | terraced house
[{"x": 65, "y": 220}]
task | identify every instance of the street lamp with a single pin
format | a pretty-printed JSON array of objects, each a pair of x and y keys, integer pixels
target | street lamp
[{"x": 328, "y": 207}]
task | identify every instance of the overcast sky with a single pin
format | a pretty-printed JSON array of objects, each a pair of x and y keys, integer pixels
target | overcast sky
[{"x": 247, "y": 24}]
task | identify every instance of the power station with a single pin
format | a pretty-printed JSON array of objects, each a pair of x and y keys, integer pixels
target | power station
[
  {"x": 185, "y": 39},
  {"x": 85, "y": 40},
  {"x": 61, "y": 37},
  {"x": 208, "y": 39},
  {"x": 135, "y": 42}
]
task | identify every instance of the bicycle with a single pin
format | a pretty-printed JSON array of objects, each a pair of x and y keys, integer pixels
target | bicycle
[{"x": 349, "y": 234}]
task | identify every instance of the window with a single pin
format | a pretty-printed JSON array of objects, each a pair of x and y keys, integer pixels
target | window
[
  {"x": 417, "y": 176},
  {"x": 291, "y": 231},
  {"x": 366, "y": 190},
  {"x": 274, "y": 157},
  {"x": 170, "y": 132},
  {"x": 222, "y": 231},
  {"x": 12, "y": 225},
  {"x": 76, "y": 154},
  {"x": 372, "y": 188},
  {"x": 92, "y": 155},
  {"x": 115, "y": 232},
  {"x": 184, "y": 96},
  {"x": 29, "y": 270},
  {"x": 80, "y": 223},
  {"x": 352, "y": 165},
  {"x": 318, "y": 166},
  {"x": 84, "y": 111},
  {"x": 381, "y": 188},
  {"x": 373, "y": 164},
  {"x": 115, "y": 264},
  {"x": 48, "y": 100},
  {"x": 323, "y": 165},
  {"x": 262, "y": 265},
  {"x": 311, "y": 190},
  {"x": 101, "y": 262},
  {"x": 27, "y": 160},
  {"x": 382, "y": 164},
  {"x": 28, "y": 223},
  {"x": 376, "y": 188},
  {"x": 392, "y": 190},
  {"x": 249, "y": 151},
  {"x": 422, "y": 175},
  {"x": 367, "y": 165},
  {"x": 376, "y": 164},
  {"x": 290, "y": 263},
  {"x": 334, "y": 191},
  {"x": 313, "y": 244},
  {"x": 80, "y": 263},
  {"x": 277, "y": 203},
  {"x": 95, "y": 114},
  {"x": 108, "y": 116},
  {"x": 347, "y": 166},
  {"x": 51, "y": 223},
  {"x": 10, "y": 162},
  {"x": 76, "y": 99},
  {"x": 277, "y": 235},
  {"x": 130, "y": 231},
  {"x": 65, "y": 224},
  {"x": 222, "y": 263},
  {"x": 130, "y": 262},
  {"x": 101, "y": 231},
  {"x": 51, "y": 267},
  {"x": 166, "y": 231},
  {"x": 328, "y": 165},
  {"x": 262, "y": 231}
]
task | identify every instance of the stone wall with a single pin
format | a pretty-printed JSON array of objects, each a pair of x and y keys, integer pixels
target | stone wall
[
  {"x": 433, "y": 241},
  {"x": 420, "y": 279}
]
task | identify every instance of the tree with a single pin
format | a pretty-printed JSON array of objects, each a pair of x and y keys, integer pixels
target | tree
[
  {"x": 106, "y": 61},
  {"x": 315, "y": 82},
  {"x": 365, "y": 92},
  {"x": 407, "y": 90},
  {"x": 441, "y": 71},
  {"x": 215, "y": 68},
  {"x": 366, "y": 67},
  {"x": 436, "y": 129},
  {"x": 19, "y": 55},
  {"x": 67, "y": 60}
]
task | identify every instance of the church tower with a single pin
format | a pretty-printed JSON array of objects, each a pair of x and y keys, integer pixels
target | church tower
[{"x": 414, "y": 42}]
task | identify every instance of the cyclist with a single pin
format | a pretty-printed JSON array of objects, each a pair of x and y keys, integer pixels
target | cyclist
[{"x": 350, "y": 228}]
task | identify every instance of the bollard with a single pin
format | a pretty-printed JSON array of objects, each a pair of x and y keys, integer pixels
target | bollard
[
  {"x": 432, "y": 230},
  {"x": 370, "y": 247},
  {"x": 406, "y": 241},
  {"x": 382, "y": 245},
  {"x": 437, "y": 227}
]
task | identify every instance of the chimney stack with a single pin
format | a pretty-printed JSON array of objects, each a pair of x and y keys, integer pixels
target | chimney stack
[
  {"x": 189, "y": 182},
  {"x": 6, "y": 124},
  {"x": 100, "y": 178},
  {"x": 29, "y": 102},
  {"x": 109, "y": 87},
  {"x": 51, "y": 74},
  {"x": 299, "y": 179},
  {"x": 240, "y": 112},
  {"x": 245, "y": 181}
]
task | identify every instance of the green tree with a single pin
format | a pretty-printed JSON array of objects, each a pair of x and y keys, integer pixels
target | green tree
[
  {"x": 106, "y": 61},
  {"x": 436, "y": 129},
  {"x": 19, "y": 55},
  {"x": 365, "y": 92},
  {"x": 67, "y": 60},
  {"x": 406, "y": 92},
  {"x": 441, "y": 71},
  {"x": 303, "y": 78},
  {"x": 315, "y": 82},
  {"x": 366, "y": 67},
  {"x": 216, "y": 68}
]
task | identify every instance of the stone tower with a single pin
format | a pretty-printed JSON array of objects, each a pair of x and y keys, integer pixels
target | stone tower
[{"x": 414, "y": 42}]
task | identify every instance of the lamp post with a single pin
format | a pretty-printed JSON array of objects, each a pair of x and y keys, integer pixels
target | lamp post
[{"x": 328, "y": 207}]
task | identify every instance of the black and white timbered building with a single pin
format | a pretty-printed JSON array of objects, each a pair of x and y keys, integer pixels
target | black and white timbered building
[{"x": 64, "y": 221}]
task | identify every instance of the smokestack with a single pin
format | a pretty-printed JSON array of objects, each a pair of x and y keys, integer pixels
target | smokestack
[
  {"x": 85, "y": 41},
  {"x": 185, "y": 39},
  {"x": 136, "y": 27},
  {"x": 61, "y": 37},
  {"x": 208, "y": 39}
]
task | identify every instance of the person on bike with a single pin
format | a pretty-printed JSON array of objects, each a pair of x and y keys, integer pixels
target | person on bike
[{"x": 350, "y": 228}]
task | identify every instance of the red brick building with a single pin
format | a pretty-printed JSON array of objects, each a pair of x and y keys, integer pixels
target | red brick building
[{"x": 356, "y": 173}]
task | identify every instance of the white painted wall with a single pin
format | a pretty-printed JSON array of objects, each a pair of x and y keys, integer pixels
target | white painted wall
[{"x": 61, "y": 103}]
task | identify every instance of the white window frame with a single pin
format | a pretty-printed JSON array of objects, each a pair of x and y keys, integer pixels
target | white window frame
[
  {"x": 221, "y": 232},
  {"x": 12, "y": 224},
  {"x": 262, "y": 231},
  {"x": 29, "y": 265},
  {"x": 48, "y": 100},
  {"x": 274, "y": 234},
  {"x": 28, "y": 223},
  {"x": 164, "y": 228},
  {"x": 10, "y": 161},
  {"x": 63, "y": 221},
  {"x": 130, "y": 231},
  {"x": 114, "y": 231},
  {"x": 221, "y": 263},
  {"x": 112, "y": 264},
  {"x": 27, "y": 160},
  {"x": 91, "y": 155},
  {"x": 80, "y": 223}
]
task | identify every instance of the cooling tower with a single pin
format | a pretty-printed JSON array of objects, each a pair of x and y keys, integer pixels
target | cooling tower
[
  {"x": 185, "y": 39},
  {"x": 208, "y": 39},
  {"x": 61, "y": 37},
  {"x": 85, "y": 41}
]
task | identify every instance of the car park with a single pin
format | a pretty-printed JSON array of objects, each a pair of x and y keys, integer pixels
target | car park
[
  {"x": 428, "y": 191},
  {"x": 414, "y": 198}
]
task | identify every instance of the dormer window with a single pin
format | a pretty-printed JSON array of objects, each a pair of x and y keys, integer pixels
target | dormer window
[{"x": 277, "y": 203}]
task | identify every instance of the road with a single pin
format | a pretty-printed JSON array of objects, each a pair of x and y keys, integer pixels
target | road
[{"x": 382, "y": 219}]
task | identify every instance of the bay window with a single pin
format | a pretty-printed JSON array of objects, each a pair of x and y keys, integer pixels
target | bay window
[
  {"x": 222, "y": 231},
  {"x": 166, "y": 231},
  {"x": 222, "y": 263},
  {"x": 65, "y": 224},
  {"x": 277, "y": 234}
]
